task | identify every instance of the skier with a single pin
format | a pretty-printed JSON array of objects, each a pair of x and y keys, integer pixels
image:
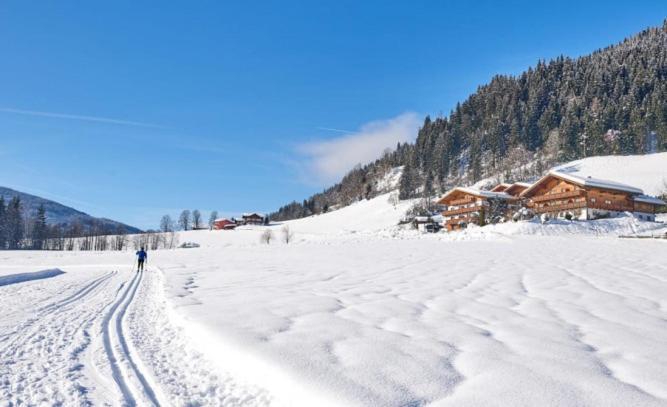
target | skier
[{"x": 142, "y": 257}]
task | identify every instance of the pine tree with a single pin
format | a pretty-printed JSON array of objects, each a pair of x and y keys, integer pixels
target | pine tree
[
  {"x": 14, "y": 224},
  {"x": 3, "y": 224},
  {"x": 40, "y": 228},
  {"x": 408, "y": 183}
]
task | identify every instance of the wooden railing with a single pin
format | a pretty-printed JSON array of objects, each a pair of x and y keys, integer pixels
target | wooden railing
[
  {"x": 561, "y": 207},
  {"x": 462, "y": 201},
  {"x": 461, "y": 210},
  {"x": 611, "y": 207},
  {"x": 549, "y": 197}
]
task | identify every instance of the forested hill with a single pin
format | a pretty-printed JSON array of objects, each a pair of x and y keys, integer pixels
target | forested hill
[
  {"x": 613, "y": 101},
  {"x": 61, "y": 215}
]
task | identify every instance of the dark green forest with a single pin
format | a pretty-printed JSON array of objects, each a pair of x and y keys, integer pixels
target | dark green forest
[{"x": 613, "y": 101}]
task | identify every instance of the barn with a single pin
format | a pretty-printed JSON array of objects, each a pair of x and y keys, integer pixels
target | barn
[{"x": 224, "y": 224}]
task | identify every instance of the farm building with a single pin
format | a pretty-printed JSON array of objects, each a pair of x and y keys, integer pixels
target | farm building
[
  {"x": 464, "y": 206},
  {"x": 224, "y": 224},
  {"x": 564, "y": 195},
  {"x": 253, "y": 218}
]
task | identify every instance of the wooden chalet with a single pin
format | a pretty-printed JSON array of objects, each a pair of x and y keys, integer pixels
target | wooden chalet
[
  {"x": 562, "y": 195},
  {"x": 463, "y": 206},
  {"x": 253, "y": 218}
]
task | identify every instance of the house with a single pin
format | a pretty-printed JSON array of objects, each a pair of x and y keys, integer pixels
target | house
[
  {"x": 563, "y": 195},
  {"x": 224, "y": 224},
  {"x": 464, "y": 206},
  {"x": 253, "y": 218}
]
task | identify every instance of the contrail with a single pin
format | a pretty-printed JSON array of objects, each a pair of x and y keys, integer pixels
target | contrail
[
  {"x": 79, "y": 117},
  {"x": 336, "y": 130}
]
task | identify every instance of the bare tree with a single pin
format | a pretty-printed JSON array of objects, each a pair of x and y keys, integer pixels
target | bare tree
[
  {"x": 266, "y": 237},
  {"x": 166, "y": 224},
  {"x": 212, "y": 218},
  {"x": 196, "y": 219},
  {"x": 184, "y": 220},
  {"x": 393, "y": 199},
  {"x": 119, "y": 242},
  {"x": 288, "y": 235}
]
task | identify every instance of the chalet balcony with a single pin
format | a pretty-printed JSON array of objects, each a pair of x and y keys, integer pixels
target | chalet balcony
[
  {"x": 461, "y": 210},
  {"x": 463, "y": 201},
  {"x": 558, "y": 208},
  {"x": 611, "y": 207},
  {"x": 562, "y": 195}
]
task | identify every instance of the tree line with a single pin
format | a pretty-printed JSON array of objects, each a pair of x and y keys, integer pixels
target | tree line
[
  {"x": 23, "y": 230},
  {"x": 187, "y": 220},
  {"x": 613, "y": 101},
  {"x": 20, "y": 229}
]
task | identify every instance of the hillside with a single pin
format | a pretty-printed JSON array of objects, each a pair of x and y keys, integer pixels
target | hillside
[
  {"x": 58, "y": 214},
  {"x": 612, "y": 101},
  {"x": 648, "y": 172}
]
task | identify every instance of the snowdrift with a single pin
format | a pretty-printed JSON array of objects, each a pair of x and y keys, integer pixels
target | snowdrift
[{"x": 23, "y": 277}]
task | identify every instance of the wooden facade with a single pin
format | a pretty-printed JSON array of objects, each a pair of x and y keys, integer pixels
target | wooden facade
[
  {"x": 253, "y": 219},
  {"x": 500, "y": 187},
  {"x": 517, "y": 188}
]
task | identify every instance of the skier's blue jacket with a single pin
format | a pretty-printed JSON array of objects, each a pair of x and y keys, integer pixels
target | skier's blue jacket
[{"x": 142, "y": 255}]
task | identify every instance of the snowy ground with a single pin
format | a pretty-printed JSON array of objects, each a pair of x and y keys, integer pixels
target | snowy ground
[
  {"x": 354, "y": 311},
  {"x": 506, "y": 319}
]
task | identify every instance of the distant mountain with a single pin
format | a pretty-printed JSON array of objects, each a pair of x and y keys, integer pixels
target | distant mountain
[
  {"x": 58, "y": 214},
  {"x": 610, "y": 102}
]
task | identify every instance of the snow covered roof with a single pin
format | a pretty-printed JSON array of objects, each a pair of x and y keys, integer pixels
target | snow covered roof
[
  {"x": 500, "y": 187},
  {"x": 516, "y": 188},
  {"x": 222, "y": 219},
  {"x": 586, "y": 182},
  {"x": 477, "y": 192},
  {"x": 649, "y": 200}
]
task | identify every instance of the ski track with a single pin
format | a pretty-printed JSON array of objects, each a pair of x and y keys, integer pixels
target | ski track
[
  {"x": 44, "y": 349},
  {"x": 123, "y": 367},
  {"x": 99, "y": 344}
]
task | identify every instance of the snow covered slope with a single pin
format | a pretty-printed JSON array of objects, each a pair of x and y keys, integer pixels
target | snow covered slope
[
  {"x": 363, "y": 216},
  {"x": 648, "y": 172}
]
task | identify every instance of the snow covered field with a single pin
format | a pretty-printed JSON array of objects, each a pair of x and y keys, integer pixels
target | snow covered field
[
  {"x": 354, "y": 311},
  {"x": 510, "y": 321}
]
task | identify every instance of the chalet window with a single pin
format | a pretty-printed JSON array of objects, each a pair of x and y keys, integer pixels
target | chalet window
[
  {"x": 607, "y": 201},
  {"x": 593, "y": 200}
]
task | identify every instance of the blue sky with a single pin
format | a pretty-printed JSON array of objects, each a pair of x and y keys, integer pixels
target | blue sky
[{"x": 130, "y": 110}]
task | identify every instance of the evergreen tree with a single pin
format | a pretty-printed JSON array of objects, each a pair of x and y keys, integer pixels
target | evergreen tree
[
  {"x": 408, "y": 183},
  {"x": 14, "y": 224},
  {"x": 40, "y": 229},
  {"x": 3, "y": 224}
]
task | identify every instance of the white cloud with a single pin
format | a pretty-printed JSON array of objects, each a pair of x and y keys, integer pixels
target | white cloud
[{"x": 326, "y": 161}]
